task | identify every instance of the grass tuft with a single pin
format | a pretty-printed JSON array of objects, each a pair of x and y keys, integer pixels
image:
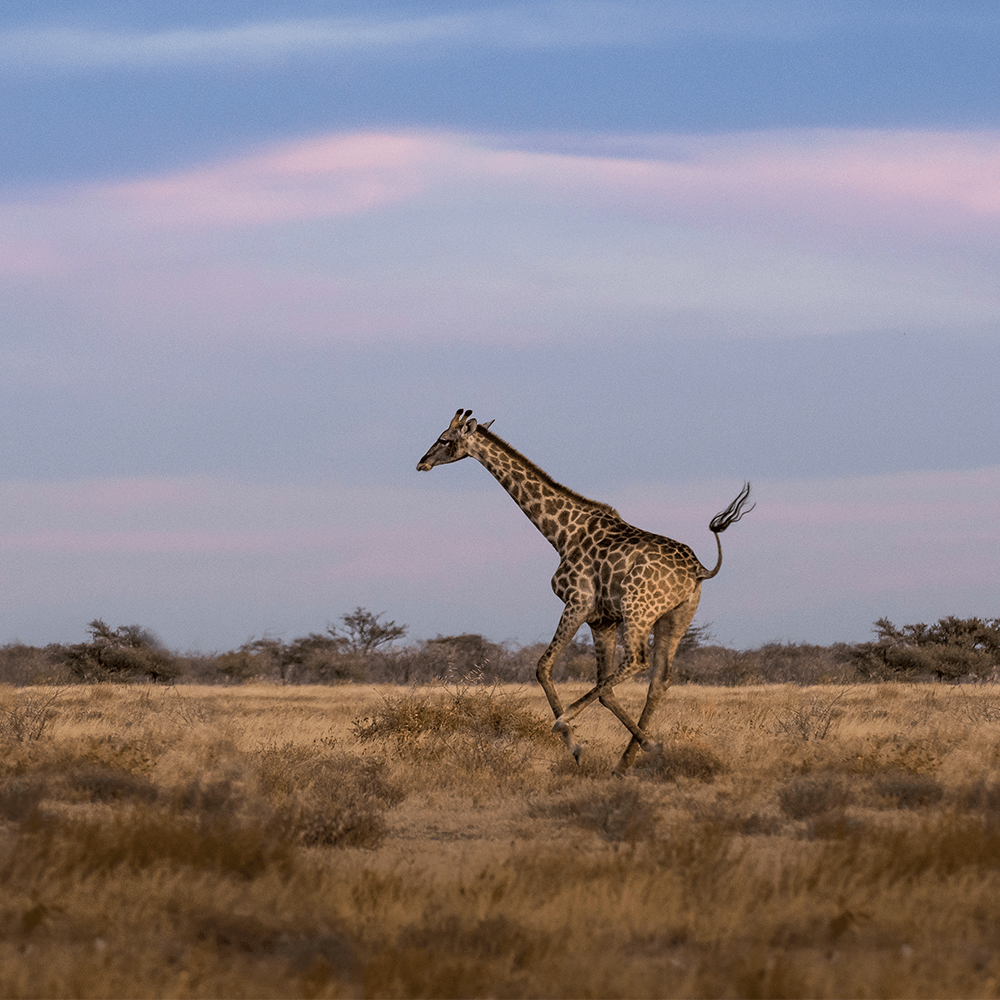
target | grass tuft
[
  {"x": 27, "y": 719},
  {"x": 813, "y": 794},
  {"x": 676, "y": 759},
  {"x": 105, "y": 784},
  {"x": 485, "y": 732},
  {"x": 908, "y": 791},
  {"x": 620, "y": 811},
  {"x": 20, "y": 797}
]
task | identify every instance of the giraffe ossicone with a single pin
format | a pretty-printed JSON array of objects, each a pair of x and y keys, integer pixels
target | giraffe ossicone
[{"x": 610, "y": 575}]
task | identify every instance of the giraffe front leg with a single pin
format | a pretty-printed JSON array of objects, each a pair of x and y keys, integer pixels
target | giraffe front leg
[
  {"x": 604, "y": 691},
  {"x": 571, "y": 620}
]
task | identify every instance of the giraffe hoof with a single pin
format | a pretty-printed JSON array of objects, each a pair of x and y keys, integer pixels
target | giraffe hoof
[
  {"x": 649, "y": 746},
  {"x": 576, "y": 751}
]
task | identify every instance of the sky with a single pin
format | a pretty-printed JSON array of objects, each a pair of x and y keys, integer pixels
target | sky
[{"x": 253, "y": 256}]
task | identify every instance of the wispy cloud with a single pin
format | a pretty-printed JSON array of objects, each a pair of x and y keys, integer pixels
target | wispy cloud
[
  {"x": 924, "y": 182},
  {"x": 545, "y": 25},
  {"x": 424, "y": 234},
  {"x": 331, "y": 176}
]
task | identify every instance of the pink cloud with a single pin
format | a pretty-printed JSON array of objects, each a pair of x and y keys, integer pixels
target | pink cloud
[
  {"x": 941, "y": 175},
  {"x": 834, "y": 182},
  {"x": 336, "y": 175},
  {"x": 784, "y": 233}
]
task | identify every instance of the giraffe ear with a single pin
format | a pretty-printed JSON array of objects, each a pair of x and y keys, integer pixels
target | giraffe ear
[
  {"x": 470, "y": 427},
  {"x": 488, "y": 424}
]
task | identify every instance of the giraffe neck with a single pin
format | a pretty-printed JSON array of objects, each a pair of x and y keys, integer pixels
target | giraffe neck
[{"x": 557, "y": 512}]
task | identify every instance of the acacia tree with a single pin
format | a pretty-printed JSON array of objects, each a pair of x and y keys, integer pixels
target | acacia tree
[{"x": 363, "y": 632}]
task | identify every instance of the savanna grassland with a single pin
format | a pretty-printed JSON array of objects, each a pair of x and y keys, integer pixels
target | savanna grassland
[{"x": 279, "y": 841}]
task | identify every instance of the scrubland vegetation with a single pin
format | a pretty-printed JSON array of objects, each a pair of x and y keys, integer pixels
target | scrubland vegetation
[
  {"x": 827, "y": 833},
  {"x": 363, "y": 647},
  {"x": 267, "y": 840}
]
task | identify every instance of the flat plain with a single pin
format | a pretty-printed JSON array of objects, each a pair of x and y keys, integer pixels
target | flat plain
[{"x": 348, "y": 841}]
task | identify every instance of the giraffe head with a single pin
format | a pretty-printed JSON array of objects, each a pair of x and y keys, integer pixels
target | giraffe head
[{"x": 451, "y": 445}]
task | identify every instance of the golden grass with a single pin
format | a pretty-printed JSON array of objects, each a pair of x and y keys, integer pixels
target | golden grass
[{"x": 268, "y": 841}]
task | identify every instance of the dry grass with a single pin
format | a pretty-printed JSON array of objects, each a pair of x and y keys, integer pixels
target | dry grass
[{"x": 349, "y": 841}]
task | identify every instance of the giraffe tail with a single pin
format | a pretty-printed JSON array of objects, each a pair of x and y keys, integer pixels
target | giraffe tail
[{"x": 722, "y": 520}]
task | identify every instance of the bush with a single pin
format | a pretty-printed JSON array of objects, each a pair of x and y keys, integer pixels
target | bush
[
  {"x": 771, "y": 663},
  {"x": 330, "y": 799},
  {"x": 239, "y": 665},
  {"x": 23, "y": 665},
  {"x": 457, "y": 658},
  {"x": 908, "y": 791},
  {"x": 120, "y": 654},
  {"x": 949, "y": 650}
]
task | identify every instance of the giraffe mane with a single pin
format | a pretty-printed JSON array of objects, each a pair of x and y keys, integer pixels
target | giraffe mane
[{"x": 543, "y": 475}]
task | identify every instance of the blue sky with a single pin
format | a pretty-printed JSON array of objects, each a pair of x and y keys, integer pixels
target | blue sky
[{"x": 253, "y": 256}]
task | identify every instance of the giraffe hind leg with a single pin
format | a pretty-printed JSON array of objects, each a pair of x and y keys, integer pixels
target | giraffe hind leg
[{"x": 667, "y": 634}]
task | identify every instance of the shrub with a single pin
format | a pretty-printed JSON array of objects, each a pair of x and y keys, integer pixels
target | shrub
[
  {"x": 795, "y": 663},
  {"x": 149, "y": 836},
  {"x": 713, "y": 665},
  {"x": 20, "y": 796},
  {"x": 771, "y": 663},
  {"x": 120, "y": 654},
  {"x": 485, "y": 731},
  {"x": 23, "y": 665},
  {"x": 460, "y": 658},
  {"x": 239, "y": 665},
  {"x": 487, "y": 711},
  {"x": 953, "y": 648},
  {"x": 107, "y": 784},
  {"x": 330, "y": 799},
  {"x": 813, "y": 719}
]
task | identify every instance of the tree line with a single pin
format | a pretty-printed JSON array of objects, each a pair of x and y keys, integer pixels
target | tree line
[{"x": 364, "y": 647}]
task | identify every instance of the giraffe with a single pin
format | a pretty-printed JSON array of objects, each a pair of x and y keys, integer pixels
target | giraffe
[{"x": 611, "y": 575}]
